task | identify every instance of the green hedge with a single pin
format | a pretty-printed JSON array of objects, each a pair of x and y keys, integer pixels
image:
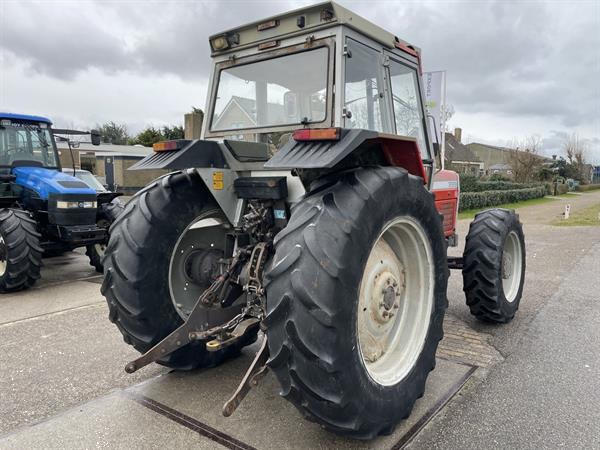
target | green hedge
[
  {"x": 587, "y": 187},
  {"x": 482, "y": 186},
  {"x": 467, "y": 182},
  {"x": 476, "y": 200}
]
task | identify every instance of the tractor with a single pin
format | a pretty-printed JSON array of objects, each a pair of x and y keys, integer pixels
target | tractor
[
  {"x": 44, "y": 211},
  {"x": 312, "y": 212}
]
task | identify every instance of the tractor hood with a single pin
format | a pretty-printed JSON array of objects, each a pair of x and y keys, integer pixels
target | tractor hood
[{"x": 50, "y": 181}]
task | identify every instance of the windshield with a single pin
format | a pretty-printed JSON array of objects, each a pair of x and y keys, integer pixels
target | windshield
[
  {"x": 26, "y": 142},
  {"x": 90, "y": 180},
  {"x": 287, "y": 90}
]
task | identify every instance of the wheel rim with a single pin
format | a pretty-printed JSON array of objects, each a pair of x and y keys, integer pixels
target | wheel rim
[
  {"x": 3, "y": 256},
  {"x": 205, "y": 233},
  {"x": 512, "y": 266},
  {"x": 100, "y": 249},
  {"x": 395, "y": 301}
]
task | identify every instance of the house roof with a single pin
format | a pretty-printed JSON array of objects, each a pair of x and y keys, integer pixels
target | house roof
[
  {"x": 248, "y": 106},
  {"x": 108, "y": 149},
  {"x": 503, "y": 153},
  {"x": 455, "y": 151}
]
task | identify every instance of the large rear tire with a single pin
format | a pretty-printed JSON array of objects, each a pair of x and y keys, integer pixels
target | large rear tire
[
  {"x": 356, "y": 295},
  {"x": 494, "y": 265},
  {"x": 140, "y": 269},
  {"x": 20, "y": 251}
]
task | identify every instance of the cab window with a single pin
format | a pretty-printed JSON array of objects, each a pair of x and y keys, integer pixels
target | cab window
[
  {"x": 408, "y": 112},
  {"x": 362, "y": 100}
]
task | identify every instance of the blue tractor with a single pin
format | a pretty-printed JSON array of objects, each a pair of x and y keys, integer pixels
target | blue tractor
[{"x": 42, "y": 209}]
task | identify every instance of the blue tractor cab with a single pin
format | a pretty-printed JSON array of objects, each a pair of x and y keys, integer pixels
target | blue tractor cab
[{"x": 42, "y": 208}]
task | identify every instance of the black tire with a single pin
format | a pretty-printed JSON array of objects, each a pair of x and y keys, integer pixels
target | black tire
[
  {"x": 136, "y": 283},
  {"x": 312, "y": 332},
  {"x": 106, "y": 216},
  {"x": 21, "y": 250},
  {"x": 483, "y": 261}
]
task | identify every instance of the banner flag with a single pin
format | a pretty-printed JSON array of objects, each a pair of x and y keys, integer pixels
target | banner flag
[{"x": 435, "y": 101}]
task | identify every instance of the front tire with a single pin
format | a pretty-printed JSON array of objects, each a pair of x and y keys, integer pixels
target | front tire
[
  {"x": 20, "y": 251},
  {"x": 140, "y": 262},
  {"x": 107, "y": 215},
  {"x": 318, "y": 307},
  {"x": 494, "y": 265}
]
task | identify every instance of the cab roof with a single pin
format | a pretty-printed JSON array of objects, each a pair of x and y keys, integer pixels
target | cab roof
[
  {"x": 302, "y": 21},
  {"x": 24, "y": 117}
]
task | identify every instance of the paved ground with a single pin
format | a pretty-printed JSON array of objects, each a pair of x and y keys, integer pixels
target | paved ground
[
  {"x": 545, "y": 394},
  {"x": 61, "y": 360}
]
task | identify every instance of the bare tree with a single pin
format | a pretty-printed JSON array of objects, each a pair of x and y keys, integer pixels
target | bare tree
[
  {"x": 447, "y": 113},
  {"x": 524, "y": 158},
  {"x": 574, "y": 148}
]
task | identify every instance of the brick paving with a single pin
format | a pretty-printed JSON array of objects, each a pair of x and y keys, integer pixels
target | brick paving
[{"x": 464, "y": 345}]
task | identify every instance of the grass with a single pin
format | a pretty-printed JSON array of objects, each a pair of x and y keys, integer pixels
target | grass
[
  {"x": 470, "y": 213},
  {"x": 586, "y": 217}
]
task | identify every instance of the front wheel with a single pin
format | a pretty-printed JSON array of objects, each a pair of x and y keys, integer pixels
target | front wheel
[
  {"x": 20, "y": 251},
  {"x": 494, "y": 265},
  {"x": 356, "y": 295},
  {"x": 106, "y": 216}
]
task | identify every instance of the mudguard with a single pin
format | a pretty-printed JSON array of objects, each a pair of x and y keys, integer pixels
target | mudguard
[
  {"x": 235, "y": 155},
  {"x": 197, "y": 153},
  {"x": 401, "y": 151}
]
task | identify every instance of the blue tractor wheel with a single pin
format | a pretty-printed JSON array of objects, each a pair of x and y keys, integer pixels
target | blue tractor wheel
[{"x": 20, "y": 251}]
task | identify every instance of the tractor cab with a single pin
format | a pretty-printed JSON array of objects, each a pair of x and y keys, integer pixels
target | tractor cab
[
  {"x": 26, "y": 141},
  {"x": 319, "y": 67}
]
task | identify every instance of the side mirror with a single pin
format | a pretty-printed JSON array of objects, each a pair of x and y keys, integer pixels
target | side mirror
[
  {"x": 95, "y": 137},
  {"x": 290, "y": 103}
]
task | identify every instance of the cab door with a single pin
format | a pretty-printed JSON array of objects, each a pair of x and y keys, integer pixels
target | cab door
[
  {"x": 364, "y": 104},
  {"x": 406, "y": 104}
]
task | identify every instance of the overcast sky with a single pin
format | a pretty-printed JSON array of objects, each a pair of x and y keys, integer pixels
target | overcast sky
[{"x": 514, "y": 68}]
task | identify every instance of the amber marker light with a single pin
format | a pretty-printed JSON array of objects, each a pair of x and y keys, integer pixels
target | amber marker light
[{"x": 317, "y": 134}]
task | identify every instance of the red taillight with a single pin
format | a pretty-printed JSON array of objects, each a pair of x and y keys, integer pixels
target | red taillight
[
  {"x": 169, "y": 146},
  {"x": 317, "y": 134}
]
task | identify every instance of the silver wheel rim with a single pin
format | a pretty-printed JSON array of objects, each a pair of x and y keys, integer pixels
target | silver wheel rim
[
  {"x": 207, "y": 231},
  {"x": 512, "y": 266},
  {"x": 395, "y": 301},
  {"x": 100, "y": 249},
  {"x": 3, "y": 256}
]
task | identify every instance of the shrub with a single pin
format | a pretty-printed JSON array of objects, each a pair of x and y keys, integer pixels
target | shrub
[
  {"x": 481, "y": 186},
  {"x": 549, "y": 187},
  {"x": 498, "y": 177},
  {"x": 477, "y": 200},
  {"x": 467, "y": 182},
  {"x": 587, "y": 187},
  {"x": 561, "y": 188}
]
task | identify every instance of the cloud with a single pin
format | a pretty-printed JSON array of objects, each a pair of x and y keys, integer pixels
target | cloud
[
  {"x": 510, "y": 61},
  {"x": 61, "y": 41}
]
